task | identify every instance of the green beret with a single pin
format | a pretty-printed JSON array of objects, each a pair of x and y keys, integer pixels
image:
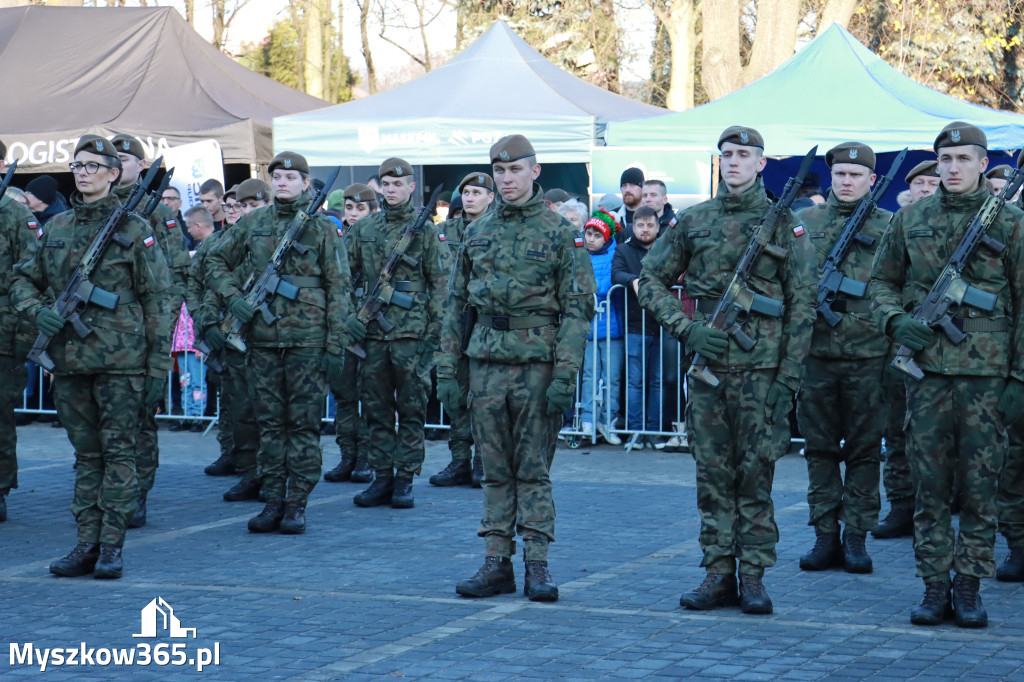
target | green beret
[
  {"x": 927, "y": 168},
  {"x": 959, "y": 133},
  {"x": 851, "y": 152},
  {"x": 511, "y": 148},
  {"x": 556, "y": 194},
  {"x": 477, "y": 180},
  {"x": 96, "y": 145},
  {"x": 128, "y": 144},
  {"x": 395, "y": 167},
  {"x": 359, "y": 193},
  {"x": 231, "y": 192},
  {"x": 289, "y": 161},
  {"x": 336, "y": 200},
  {"x": 253, "y": 188},
  {"x": 741, "y": 135},
  {"x": 1002, "y": 171}
]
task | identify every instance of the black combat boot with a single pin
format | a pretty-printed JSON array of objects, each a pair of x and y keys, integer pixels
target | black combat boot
[
  {"x": 855, "y": 554},
  {"x": 138, "y": 519},
  {"x": 401, "y": 495},
  {"x": 342, "y": 472},
  {"x": 456, "y": 473},
  {"x": 110, "y": 565},
  {"x": 245, "y": 489},
  {"x": 1010, "y": 571},
  {"x": 539, "y": 584},
  {"x": 294, "y": 521},
  {"x": 827, "y": 553},
  {"x": 3, "y": 508},
  {"x": 378, "y": 493},
  {"x": 899, "y": 523},
  {"x": 968, "y": 611},
  {"x": 268, "y": 520},
  {"x": 478, "y": 471},
  {"x": 222, "y": 466},
  {"x": 494, "y": 577},
  {"x": 718, "y": 589},
  {"x": 754, "y": 595},
  {"x": 79, "y": 561},
  {"x": 362, "y": 473},
  {"x": 936, "y": 605}
]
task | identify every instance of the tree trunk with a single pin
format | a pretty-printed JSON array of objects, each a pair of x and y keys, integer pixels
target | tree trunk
[
  {"x": 605, "y": 44},
  {"x": 190, "y": 12},
  {"x": 836, "y": 12},
  {"x": 313, "y": 64},
  {"x": 682, "y": 35},
  {"x": 774, "y": 37},
  {"x": 364, "y": 20},
  {"x": 420, "y": 8},
  {"x": 721, "y": 71},
  {"x": 218, "y": 24}
]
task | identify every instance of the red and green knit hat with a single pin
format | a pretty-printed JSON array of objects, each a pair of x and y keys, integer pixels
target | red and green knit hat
[{"x": 604, "y": 223}]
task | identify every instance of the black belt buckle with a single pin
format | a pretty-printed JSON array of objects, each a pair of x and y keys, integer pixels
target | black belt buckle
[{"x": 500, "y": 322}]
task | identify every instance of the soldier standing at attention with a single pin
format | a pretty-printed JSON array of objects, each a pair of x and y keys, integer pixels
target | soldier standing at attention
[
  {"x": 524, "y": 271},
  {"x": 103, "y": 380},
  {"x": 843, "y": 380},
  {"x": 957, "y": 415},
  {"x": 287, "y": 360},
  {"x": 395, "y": 374},
  {"x": 477, "y": 192},
  {"x": 739, "y": 429}
]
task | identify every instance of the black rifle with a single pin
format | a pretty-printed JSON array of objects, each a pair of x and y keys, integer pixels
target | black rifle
[
  {"x": 7, "y": 179},
  {"x": 260, "y": 291},
  {"x": 833, "y": 282},
  {"x": 739, "y": 299},
  {"x": 383, "y": 294},
  {"x": 157, "y": 196},
  {"x": 80, "y": 291},
  {"x": 950, "y": 291}
]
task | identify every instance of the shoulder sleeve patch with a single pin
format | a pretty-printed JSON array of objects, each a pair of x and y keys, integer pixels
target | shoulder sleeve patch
[
  {"x": 148, "y": 241},
  {"x": 798, "y": 230},
  {"x": 578, "y": 241}
]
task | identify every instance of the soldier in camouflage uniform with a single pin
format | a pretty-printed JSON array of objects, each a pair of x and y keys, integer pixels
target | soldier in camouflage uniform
[
  {"x": 843, "y": 379},
  {"x": 477, "y": 193},
  {"x": 19, "y": 236},
  {"x": 288, "y": 363},
  {"x": 524, "y": 271},
  {"x": 168, "y": 235},
  {"x": 958, "y": 413},
  {"x": 396, "y": 370},
  {"x": 738, "y": 430},
  {"x": 104, "y": 379}
]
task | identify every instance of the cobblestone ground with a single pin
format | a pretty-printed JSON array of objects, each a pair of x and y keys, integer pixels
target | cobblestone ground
[{"x": 369, "y": 593}]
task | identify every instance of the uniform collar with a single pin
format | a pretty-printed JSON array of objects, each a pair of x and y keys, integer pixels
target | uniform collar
[
  {"x": 289, "y": 209},
  {"x": 534, "y": 206},
  {"x": 398, "y": 214},
  {"x": 754, "y": 197},
  {"x": 843, "y": 208},
  {"x": 96, "y": 210},
  {"x": 963, "y": 202}
]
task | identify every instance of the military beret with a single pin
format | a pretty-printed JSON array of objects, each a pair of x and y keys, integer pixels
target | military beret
[
  {"x": 959, "y": 133},
  {"x": 511, "y": 148},
  {"x": 95, "y": 144},
  {"x": 395, "y": 167},
  {"x": 289, "y": 161},
  {"x": 477, "y": 180},
  {"x": 556, "y": 194},
  {"x": 926, "y": 168},
  {"x": 253, "y": 188},
  {"x": 128, "y": 144},
  {"x": 359, "y": 193},
  {"x": 1001, "y": 171},
  {"x": 232, "y": 191},
  {"x": 851, "y": 152},
  {"x": 741, "y": 135}
]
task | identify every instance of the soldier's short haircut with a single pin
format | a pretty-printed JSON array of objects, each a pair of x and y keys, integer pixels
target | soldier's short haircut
[
  {"x": 659, "y": 183},
  {"x": 645, "y": 212},
  {"x": 212, "y": 185},
  {"x": 174, "y": 189},
  {"x": 198, "y": 212}
]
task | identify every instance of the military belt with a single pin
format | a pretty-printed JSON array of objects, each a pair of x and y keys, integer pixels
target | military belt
[
  {"x": 982, "y": 324},
  {"x": 126, "y": 296},
  {"x": 408, "y": 287},
  {"x": 507, "y": 322},
  {"x": 851, "y": 305},
  {"x": 304, "y": 282}
]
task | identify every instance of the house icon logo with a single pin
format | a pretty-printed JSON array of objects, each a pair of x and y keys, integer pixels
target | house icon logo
[{"x": 158, "y": 615}]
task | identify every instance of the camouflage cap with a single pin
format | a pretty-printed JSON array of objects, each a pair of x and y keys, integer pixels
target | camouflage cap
[
  {"x": 232, "y": 191},
  {"x": 477, "y": 180},
  {"x": 511, "y": 148},
  {"x": 289, "y": 161},
  {"x": 128, "y": 144},
  {"x": 851, "y": 152},
  {"x": 359, "y": 193},
  {"x": 253, "y": 188},
  {"x": 1003, "y": 171},
  {"x": 741, "y": 135},
  {"x": 926, "y": 168},
  {"x": 95, "y": 144},
  {"x": 959, "y": 133},
  {"x": 395, "y": 167}
]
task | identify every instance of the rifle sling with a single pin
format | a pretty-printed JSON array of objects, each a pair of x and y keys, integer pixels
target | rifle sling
[
  {"x": 304, "y": 282},
  {"x": 507, "y": 322},
  {"x": 851, "y": 305},
  {"x": 409, "y": 287},
  {"x": 982, "y": 324}
]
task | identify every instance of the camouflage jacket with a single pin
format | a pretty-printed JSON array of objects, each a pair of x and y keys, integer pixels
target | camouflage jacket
[
  {"x": 521, "y": 261},
  {"x": 706, "y": 244},
  {"x": 856, "y": 336},
  {"x": 19, "y": 235},
  {"x": 920, "y": 240},
  {"x": 205, "y": 306},
  {"x": 135, "y": 337},
  {"x": 454, "y": 229},
  {"x": 168, "y": 235},
  {"x": 371, "y": 242},
  {"x": 316, "y": 318}
]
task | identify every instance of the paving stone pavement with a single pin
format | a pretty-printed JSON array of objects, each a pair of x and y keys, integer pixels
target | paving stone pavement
[{"x": 369, "y": 593}]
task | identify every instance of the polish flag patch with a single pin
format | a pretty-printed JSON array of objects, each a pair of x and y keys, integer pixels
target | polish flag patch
[
  {"x": 34, "y": 226},
  {"x": 798, "y": 230},
  {"x": 148, "y": 241},
  {"x": 579, "y": 241},
  {"x": 340, "y": 232},
  {"x": 440, "y": 236},
  {"x": 172, "y": 223}
]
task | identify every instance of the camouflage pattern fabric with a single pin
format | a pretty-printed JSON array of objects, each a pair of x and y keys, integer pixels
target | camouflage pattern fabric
[
  {"x": 237, "y": 417},
  {"x": 351, "y": 432},
  {"x": 390, "y": 384},
  {"x": 168, "y": 235},
  {"x": 1010, "y": 502},
  {"x": 899, "y": 489},
  {"x": 13, "y": 377},
  {"x": 147, "y": 449},
  {"x": 453, "y": 230},
  {"x": 460, "y": 437}
]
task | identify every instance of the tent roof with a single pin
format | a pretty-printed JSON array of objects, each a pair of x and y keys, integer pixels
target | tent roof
[
  {"x": 833, "y": 90},
  {"x": 496, "y": 86},
  {"x": 145, "y": 71}
]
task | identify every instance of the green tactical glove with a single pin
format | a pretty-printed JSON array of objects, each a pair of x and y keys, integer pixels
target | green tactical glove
[
  {"x": 560, "y": 395},
  {"x": 214, "y": 338},
  {"x": 241, "y": 309},
  {"x": 778, "y": 403},
  {"x": 708, "y": 341},
  {"x": 448, "y": 392},
  {"x": 153, "y": 392},
  {"x": 356, "y": 329},
  {"x": 334, "y": 365},
  {"x": 907, "y": 331},
  {"x": 1011, "y": 402},
  {"x": 49, "y": 322}
]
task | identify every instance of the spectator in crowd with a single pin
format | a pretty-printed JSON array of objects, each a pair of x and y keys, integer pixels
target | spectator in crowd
[
  {"x": 373, "y": 182},
  {"x": 211, "y": 193},
  {"x": 655, "y": 195},
  {"x": 336, "y": 207},
  {"x": 231, "y": 206},
  {"x": 631, "y": 187},
  {"x": 43, "y": 199},
  {"x": 18, "y": 195},
  {"x": 455, "y": 209},
  {"x": 171, "y": 198},
  {"x": 611, "y": 203},
  {"x": 575, "y": 212},
  {"x": 903, "y": 198},
  {"x": 555, "y": 197}
]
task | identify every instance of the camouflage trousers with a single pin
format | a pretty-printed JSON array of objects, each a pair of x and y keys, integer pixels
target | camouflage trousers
[
  {"x": 101, "y": 415},
  {"x": 838, "y": 403},
  {"x": 351, "y": 433},
  {"x": 516, "y": 439},
  {"x": 954, "y": 421},
  {"x": 13, "y": 377},
  {"x": 460, "y": 437},
  {"x": 147, "y": 449},
  {"x": 899, "y": 489},
  {"x": 1010, "y": 503},
  {"x": 289, "y": 388},
  {"x": 236, "y": 410},
  {"x": 225, "y": 429},
  {"x": 391, "y": 385},
  {"x": 736, "y": 450}
]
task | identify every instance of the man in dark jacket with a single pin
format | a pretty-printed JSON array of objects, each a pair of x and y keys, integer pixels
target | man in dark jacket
[{"x": 43, "y": 199}]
